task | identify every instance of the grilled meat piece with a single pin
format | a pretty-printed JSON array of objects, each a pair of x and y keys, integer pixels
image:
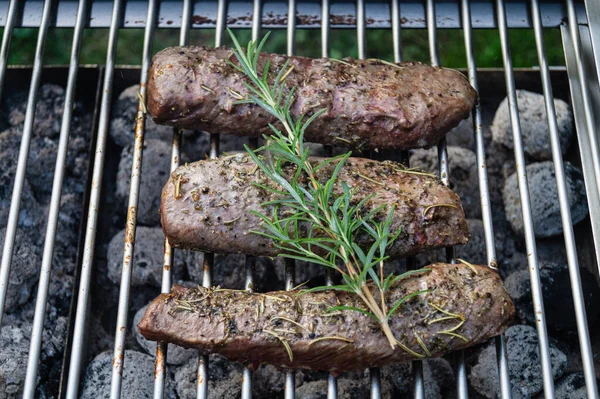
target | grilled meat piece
[
  {"x": 371, "y": 104},
  {"x": 466, "y": 305},
  {"x": 207, "y": 205}
]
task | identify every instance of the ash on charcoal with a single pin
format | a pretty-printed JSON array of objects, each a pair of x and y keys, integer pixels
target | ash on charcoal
[
  {"x": 556, "y": 291},
  {"x": 148, "y": 257},
  {"x": 224, "y": 382},
  {"x": 13, "y": 360},
  {"x": 348, "y": 388},
  {"x": 461, "y": 135},
  {"x": 463, "y": 174},
  {"x": 544, "y": 199},
  {"x": 534, "y": 125},
  {"x": 123, "y": 118},
  {"x": 156, "y": 164},
  {"x": 438, "y": 379},
  {"x": 138, "y": 377},
  {"x": 24, "y": 269},
  {"x": 269, "y": 382},
  {"x": 525, "y": 371},
  {"x": 67, "y": 234},
  {"x": 30, "y": 212},
  {"x": 44, "y": 141},
  {"x": 571, "y": 386},
  {"x": 175, "y": 355},
  {"x": 48, "y": 111}
]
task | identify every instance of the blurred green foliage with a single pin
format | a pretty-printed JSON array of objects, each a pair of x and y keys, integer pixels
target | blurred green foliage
[{"x": 308, "y": 43}]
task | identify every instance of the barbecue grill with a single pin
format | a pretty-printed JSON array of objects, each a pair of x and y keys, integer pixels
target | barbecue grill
[{"x": 579, "y": 25}]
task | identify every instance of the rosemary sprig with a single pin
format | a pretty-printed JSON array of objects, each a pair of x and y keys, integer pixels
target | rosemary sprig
[{"x": 332, "y": 221}]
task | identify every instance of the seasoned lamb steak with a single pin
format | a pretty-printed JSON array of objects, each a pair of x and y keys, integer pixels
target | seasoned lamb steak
[
  {"x": 207, "y": 205},
  {"x": 371, "y": 104},
  {"x": 466, "y": 305}
]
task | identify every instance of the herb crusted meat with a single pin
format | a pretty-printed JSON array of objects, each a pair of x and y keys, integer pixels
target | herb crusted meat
[
  {"x": 465, "y": 305},
  {"x": 371, "y": 104},
  {"x": 207, "y": 205}
]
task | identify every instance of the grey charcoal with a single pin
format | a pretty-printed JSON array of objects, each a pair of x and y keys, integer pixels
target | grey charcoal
[
  {"x": 148, "y": 258},
  {"x": 525, "y": 370},
  {"x": 571, "y": 386},
  {"x": 123, "y": 119},
  {"x": 543, "y": 193},
  {"x": 156, "y": 164},
  {"x": 175, "y": 354},
  {"x": 13, "y": 360},
  {"x": 556, "y": 291},
  {"x": 534, "y": 125},
  {"x": 48, "y": 111},
  {"x": 224, "y": 382},
  {"x": 463, "y": 174},
  {"x": 461, "y": 135},
  {"x": 24, "y": 269},
  {"x": 138, "y": 377},
  {"x": 30, "y": 213}
]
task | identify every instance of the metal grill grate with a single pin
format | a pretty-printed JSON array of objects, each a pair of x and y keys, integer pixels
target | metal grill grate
[{"x": 576, "y": 27}]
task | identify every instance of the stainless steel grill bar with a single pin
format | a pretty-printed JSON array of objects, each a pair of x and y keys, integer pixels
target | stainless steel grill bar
[
  {"x": 444, "y": 175},
  {"x": 417, "y": 372},
  {"x": 325, "y": 27},
  {"x": 209, "y": 258},
  {"x": 332, "y": 388},
  {"x": 290, "y": 264},
  {"x": 290, "y": 375},
  {"x": 561, "y": 181},
  {"x": 361, "y": 29},
  {"x": 131, "y": 222},
  {"x": 534, "y": 274},
  {"x": 6, "y": 38},
  {"x": 93, "y": 208},
  {"x": 396, "y": 27},
  {"x": 54, "y": 207},
  {"x": 160, "y": 365},
  {"x": 593, "y": 15},
  {"x": 361, "y": 37},
  {"x": 202, "y": 387},
  {"x": 251, "y": 260},
  {"x": 589, "y": 120},
  {"x": 15, "y": 202},
  {"x": 486, "y": 208}
]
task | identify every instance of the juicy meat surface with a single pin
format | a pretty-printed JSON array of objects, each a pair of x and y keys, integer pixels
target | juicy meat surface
[
  {"x": 370, "y": 104},
  {"x": 207, "y": 205},
  {"x": 465, "y": 305}
]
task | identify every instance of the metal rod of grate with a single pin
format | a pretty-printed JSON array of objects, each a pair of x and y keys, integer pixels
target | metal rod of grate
[
  {"x": 590, "y": 158},
  {"x": 93, "y": 209},
  {"x": 565, "y": 210},
  {"x": 15, "y": 202},
  {"x": 486, "y": 207},
  {"x": 534, "y": 273},
  {"x": 160, "y": 365},
  {"x": 61, "y": 159}
]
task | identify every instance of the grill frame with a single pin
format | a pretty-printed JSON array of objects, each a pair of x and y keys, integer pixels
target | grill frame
[{"x": 576, "y": 52}]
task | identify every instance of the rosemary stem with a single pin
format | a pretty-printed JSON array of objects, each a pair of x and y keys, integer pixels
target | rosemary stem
[{"x": 383, "y": 320}]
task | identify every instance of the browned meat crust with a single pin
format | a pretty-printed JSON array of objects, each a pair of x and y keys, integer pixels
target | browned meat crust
[
  {"x": 252, "y": 328},
  {"x": 370, "y": 104},
  {"x": 207, "y": 205}
]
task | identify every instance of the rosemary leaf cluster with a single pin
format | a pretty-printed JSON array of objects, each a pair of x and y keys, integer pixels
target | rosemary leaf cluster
[{"x": 334, "y": 220}]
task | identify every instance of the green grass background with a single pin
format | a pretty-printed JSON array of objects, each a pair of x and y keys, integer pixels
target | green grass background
[{"x": 308, "y": 43}]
